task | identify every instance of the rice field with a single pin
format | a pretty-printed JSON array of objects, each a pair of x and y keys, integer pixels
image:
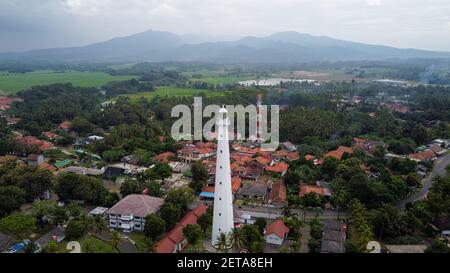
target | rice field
[
  {"x": 174, "y": 92},
  {"x": 11, "y": 83}
]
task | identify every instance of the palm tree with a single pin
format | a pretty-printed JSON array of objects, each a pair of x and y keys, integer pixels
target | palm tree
[
  {"x": 99, "y": 224},
  {"x": 387, "y": 220},
  {"x": 297, "y": 245},
  {"x": 87, "y": 221},
  {"x": 223, "y": 243},
  {"x": 236, "y": 239},
  {"x": 115, "y": 239},
  {"x": 88, "y": 247},
  {"x": 340, "y": 198},
  {"x": 150, "y": 245}
]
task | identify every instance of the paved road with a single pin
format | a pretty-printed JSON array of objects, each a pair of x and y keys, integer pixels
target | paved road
[
  {"x": 438, "y": 170},
  {"x": 273, "y": 213}
]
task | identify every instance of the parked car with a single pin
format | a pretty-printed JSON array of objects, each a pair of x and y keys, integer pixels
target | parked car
[{"x": 18, "y": 247}]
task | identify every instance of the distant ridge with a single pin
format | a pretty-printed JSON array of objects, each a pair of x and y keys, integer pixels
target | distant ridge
[{"x": 281, "y": 47}]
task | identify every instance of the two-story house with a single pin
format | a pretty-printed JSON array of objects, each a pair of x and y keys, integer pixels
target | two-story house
[{"x": 130, "y": 212}]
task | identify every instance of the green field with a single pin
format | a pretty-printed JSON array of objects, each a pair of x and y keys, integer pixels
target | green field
[
  {"x": 140, "y": 241},
  {"x": 11, "y": 83},
  {"x": 96, "y": 245},
  {"x": 216, "y": 76},
  {"x": 174, "y": 92}
]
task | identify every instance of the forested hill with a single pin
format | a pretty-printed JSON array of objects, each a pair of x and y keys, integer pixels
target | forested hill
[{"x": 283, "y": 47}]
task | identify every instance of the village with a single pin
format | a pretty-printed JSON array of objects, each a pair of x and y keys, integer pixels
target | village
[{"x": 259, "y": 191}]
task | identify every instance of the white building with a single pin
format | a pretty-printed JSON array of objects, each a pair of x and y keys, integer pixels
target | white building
[
  {"x": 98, "y": 211},
  {"x": 276, "y": 233},
  {"x": 96, "y": 138},
  {"x": 130, "y": 212},
  {"x": 223, "y": 197}
]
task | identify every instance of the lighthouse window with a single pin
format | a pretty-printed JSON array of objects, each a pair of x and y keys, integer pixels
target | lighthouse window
[
  {"x": 220, "y": 183},
  {"x": 220, "y": 214},
  {"x": 221, "y": 151},
  {"x": 220, "y": 167},
  {"x": 220, "y": 199},
  {"x": 220, "y": 229}
]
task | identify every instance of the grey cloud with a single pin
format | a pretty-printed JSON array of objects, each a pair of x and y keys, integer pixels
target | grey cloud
[{"x": 401, "y": 23}]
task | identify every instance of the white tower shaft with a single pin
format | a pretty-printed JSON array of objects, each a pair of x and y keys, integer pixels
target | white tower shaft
[
  {"x": 259, "y": 117},
  {"x": 223, "y": 198}
]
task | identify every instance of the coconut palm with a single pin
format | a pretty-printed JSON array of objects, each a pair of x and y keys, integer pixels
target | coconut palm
[
  {"x": 99, "y": 224},
  {"x": 223, "y": 243},
  {"x": 340, "y": 198},
  {"x": 236, "y": 237},
  {"x": 297, "y": 245},
  {"x": 115, "y": 239},
  {"x": 150, "y": 245},
  {"x": 87, "y": 221}
]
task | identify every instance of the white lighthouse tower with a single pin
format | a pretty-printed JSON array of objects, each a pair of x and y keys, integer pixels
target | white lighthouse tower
[
  {"x": 223, "y": 199},
  {"x": 259, "y": 117}
]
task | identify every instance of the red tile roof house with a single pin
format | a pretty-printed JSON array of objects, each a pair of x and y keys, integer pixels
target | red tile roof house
[
  {"x": 29, "y": 141},
  {"x": 196, "y": 152},
  {"x": 5, "y": 102},
  {"x": 283, "y": 154},
  {"x": 66, "y": 125},
  {"x": 164, "y": 157},
  {"x": 51, "y": 136},
  {"x": 241, "y": 159},
  {"x": 244, "y": 151},
  {"x": 174, "y": 241},
  {"x": 279, "y": 168},
  {"x": 262, "y": 160},
  {"x": 235, "y": 186},
  {"x": 306, "y": 189},
  {"x": 237, "y": 170},
  {"x": 210, "y": 165},
  {"x": 276, "y": 233},
  {"x": 277, "y": 195},
  {"x": 368, "y": 146},
  {"x": 421, "y": 156},
  {"x": 47, "y": 167},
  {"x": 129, "y": 213},
  {"x": 339, "y": 152}
]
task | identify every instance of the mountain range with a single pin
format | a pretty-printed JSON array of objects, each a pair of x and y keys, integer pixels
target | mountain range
[{"x": 281, "y": 47}]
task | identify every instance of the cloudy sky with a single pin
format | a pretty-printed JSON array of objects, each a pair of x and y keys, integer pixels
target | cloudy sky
[{"x": 31, "y": 24}]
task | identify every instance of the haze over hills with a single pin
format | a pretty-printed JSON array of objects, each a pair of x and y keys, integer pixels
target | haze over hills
[{"x": 282, "y": 47}]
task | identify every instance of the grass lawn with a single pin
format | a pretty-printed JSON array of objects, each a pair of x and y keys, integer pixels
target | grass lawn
[
  {"x": 11, "y": 83},
  {"x": 62, "y": 247},
  {"x": 139, "y": 239},
  {"x": 96, "y": 245},
  {"x": 174, "y": 92}
]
